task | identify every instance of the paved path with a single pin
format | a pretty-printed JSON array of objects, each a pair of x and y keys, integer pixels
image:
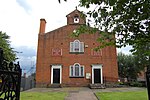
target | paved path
[
  {"x": 74, "y": 93},
  {"x": 83, "y": 93}
]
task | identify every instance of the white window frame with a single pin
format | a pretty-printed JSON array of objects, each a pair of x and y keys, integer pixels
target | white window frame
[
  {"x": 73, "y": 46},
  {"x": 72, "y": 74}
]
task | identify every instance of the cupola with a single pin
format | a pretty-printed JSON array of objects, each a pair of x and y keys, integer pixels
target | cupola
[{"x": 75, "y": 17}]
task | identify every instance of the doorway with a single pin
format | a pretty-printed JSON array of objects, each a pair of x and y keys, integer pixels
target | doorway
[
  {"x": 56, "y": 74},
  {"x": 97, "y": 75}
]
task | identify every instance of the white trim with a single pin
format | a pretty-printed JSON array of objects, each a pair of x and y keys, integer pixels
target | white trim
[
  {"x": 83, "y": 69},
  {"x": 70, "y": 70},
  {"x": 81, "y": 49},
  {"x": 97, "y": 66},
  {"x": 56, "y": 67},
  {"x": 74, "y": 45},
  {"x": 80, "y": 46},
  {"x": 71, "y": 46},
  {"x": 74, "y": 70}
]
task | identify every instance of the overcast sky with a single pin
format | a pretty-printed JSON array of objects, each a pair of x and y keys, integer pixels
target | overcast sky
[{"x": 20, "y": 19}]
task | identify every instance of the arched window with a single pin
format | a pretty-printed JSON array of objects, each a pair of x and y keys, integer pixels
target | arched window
[
  {"x": 76, "y": 70},
  {"x": 76, "y": 47}
]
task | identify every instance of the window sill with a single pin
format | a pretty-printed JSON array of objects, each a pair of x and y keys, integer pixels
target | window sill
[
  {"x": 76, "y": 52},
  {"x": 76, "y": 77}
]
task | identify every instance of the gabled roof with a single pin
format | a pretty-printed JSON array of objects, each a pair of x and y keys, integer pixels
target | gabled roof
[
  {"x": 75, "y": 11},
  {"x": 57, "y": 29}
]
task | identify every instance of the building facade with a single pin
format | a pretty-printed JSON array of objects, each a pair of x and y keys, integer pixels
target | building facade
[{"x": 70, "y": 61}]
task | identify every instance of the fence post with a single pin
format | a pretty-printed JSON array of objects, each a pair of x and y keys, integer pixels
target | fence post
[{"x": 148, "y": 81}]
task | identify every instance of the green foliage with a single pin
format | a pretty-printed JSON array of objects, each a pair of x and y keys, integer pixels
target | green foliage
[
  {"x": 129, "y": 66},
  {"x": 8, "y": 52},
  {"x": 129, "y": 20},
  {"x": 136, "y": 84},
  {"x": 120, "y": 83},
  {"x": 142, "y": 51}
]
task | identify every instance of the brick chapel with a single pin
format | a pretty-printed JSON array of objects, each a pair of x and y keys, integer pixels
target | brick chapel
[{"x": 68, "y": 61}]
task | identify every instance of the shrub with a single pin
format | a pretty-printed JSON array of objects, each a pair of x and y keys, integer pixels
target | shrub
[{"x": 136, "y": 84}]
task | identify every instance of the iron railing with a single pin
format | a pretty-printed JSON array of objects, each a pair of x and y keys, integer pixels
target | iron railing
[{"x": 10, "y": 79}]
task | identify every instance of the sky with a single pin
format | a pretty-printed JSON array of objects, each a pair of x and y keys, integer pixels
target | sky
[{"x": 20, "y": 19}]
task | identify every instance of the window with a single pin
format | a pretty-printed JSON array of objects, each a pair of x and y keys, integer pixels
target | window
[
  {"x": 76, "y": 70},
  {"x": 76, "y": 47},
  {"x": 76, "y": 19}
]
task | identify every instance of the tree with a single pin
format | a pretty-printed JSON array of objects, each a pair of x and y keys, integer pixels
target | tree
[
  {"x": 129, "y": 20},
  {"x": 129, "y": 66},
  {"x": 142, "y": 51},
  {"x": 8, "y": 52}
]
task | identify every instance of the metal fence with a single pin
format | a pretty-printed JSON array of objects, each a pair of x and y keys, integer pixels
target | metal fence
[{"x": 10, "y": 79}]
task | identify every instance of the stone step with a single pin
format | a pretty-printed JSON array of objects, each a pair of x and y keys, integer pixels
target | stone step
[
  {"x": 55, "y": 86},
  {"x": 97, "y": 86}
]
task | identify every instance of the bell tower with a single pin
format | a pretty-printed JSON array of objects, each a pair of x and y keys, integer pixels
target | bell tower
[{"x": 76, "y": 17}]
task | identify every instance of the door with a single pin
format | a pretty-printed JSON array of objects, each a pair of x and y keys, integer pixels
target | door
[
  {"x": 97, "y": 77},
  {"x": 56, "y": 75}
]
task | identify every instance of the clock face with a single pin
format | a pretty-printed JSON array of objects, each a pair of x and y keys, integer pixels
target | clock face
[{"x": 76, "y": 19}]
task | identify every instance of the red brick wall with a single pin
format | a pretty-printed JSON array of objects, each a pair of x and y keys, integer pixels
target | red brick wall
[{"x": 60, "y": 38}]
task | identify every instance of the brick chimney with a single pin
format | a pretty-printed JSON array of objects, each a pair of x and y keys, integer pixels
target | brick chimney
[{"x": 42, "y": 26}]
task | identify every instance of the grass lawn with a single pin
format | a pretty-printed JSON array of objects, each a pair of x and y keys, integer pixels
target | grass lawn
[
  {"x": 43, "y": 95},
  {"x": 134, "y": 95}
]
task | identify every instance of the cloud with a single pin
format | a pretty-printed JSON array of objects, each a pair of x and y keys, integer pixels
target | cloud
[
  {"x": 27, "y": 58},
  {"x": 25, "y": 51},
  {"x": 24, "y": 5},
  {"x": 125, "y": 50}
]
